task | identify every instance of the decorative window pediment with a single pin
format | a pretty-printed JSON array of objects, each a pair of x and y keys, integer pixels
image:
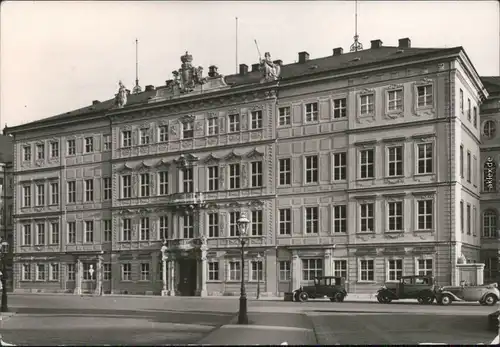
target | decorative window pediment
[
  {"x": 162, "y": 163},
  {"x": 211, "y": 158},
  {"x": 187, "y": 119},
  {"x": 143, "y": 166},
  {"x": 255, "y": 153},
  {"x": 125, "y": 167},
  {"x": 186, "y": 160},
  {"x": 232, "y": 156}
]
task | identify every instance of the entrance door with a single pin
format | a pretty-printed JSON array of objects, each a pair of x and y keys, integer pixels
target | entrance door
[{"x": 187, "y": 277}]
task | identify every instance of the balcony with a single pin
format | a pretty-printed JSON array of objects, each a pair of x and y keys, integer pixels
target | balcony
[{"x": 186, "y": 200}]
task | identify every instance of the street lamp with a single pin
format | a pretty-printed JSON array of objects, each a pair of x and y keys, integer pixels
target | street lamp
[
  {"x": 243, "y": 223},
  {"x": 5, "y": 251},
  {"x": 259, "y": 259}
]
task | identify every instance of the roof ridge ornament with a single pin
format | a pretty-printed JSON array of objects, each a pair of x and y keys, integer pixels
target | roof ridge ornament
[{"x": 187, "y": 77}]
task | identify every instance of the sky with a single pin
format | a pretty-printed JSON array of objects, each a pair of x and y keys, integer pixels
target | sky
[{"x": 59, "y": 56}]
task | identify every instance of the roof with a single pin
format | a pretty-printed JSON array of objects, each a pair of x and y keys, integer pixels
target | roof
[
  {"x": 288, "y": 72},
  {"x": 491, "y": 83},
  {"x": 6, "y": 149}
]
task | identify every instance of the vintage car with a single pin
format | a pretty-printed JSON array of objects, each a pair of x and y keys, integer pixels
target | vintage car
[
  {"x": 493, "y": 321},
  {"x": 327, "y": 286},
  {"x": 487, "y": 294},
  {"x": 408, "y": 287}
]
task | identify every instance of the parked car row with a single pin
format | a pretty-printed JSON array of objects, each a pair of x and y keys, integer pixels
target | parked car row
[{"x": 422, "y": 288}]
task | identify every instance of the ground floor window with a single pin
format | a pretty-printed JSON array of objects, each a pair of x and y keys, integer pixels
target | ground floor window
[
  {"x": 71, "y": 272},
  {"x": 424, "y": 267},
  {"x": 54, "y": 272},
  {"x": 340, "y": 268},
  {"x": 87, "y": 274},
  {"x": 26, "y": 272},
  {"x": 366, "y": 270},
  {"x": 284, "y": 270},
  {"x": 234, "y": 271},
  {"x": 40, "y": 272},
  {"x": 312, "y": 268},
  {"x": 256, "y": 271},
  {"x": 106, "y": 272},
  {"x": 127, "y": 272},
  {"x": 145, "y": 272},
  {"x": 213, "y": 271},
  {"x": 394, "y": 269}
]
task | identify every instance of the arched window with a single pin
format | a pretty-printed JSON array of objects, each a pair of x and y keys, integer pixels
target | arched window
[
  {"x": 489, "y": 129},
  {"x": 490, "y": 175},
  {"x": 490, "y": 224}
]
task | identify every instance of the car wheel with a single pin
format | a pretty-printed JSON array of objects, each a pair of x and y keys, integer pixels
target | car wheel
[
  {"x": 421, "y": 300},
  {"x": 490, "y": 300},
  {"x": 338, "y": 297},
  {"x": 429, "y": 300},
  {"x": 481, "y": 303},
  {"x": 446, "y": 300},
  {"x": 303, "y": 296}
]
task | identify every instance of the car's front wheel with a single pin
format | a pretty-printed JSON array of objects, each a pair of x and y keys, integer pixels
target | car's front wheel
[
  {"x": 338, "y": 297},
  {"x": 490, "y": 300},
  {"x": 303, "y": 296},
  {"x": 383, "y": 299},
  {"x": 445, "y": 300}
]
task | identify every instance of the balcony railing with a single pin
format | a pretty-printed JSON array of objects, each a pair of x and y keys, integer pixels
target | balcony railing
[{"x": 179, "y": 199}]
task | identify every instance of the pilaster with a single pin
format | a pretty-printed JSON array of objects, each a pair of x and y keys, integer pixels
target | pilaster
[{"x": 295, "y": 270}]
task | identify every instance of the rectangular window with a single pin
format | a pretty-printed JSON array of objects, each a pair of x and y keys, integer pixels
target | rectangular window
[
  {"x": 26, "y": 196},
  {"x": 213, "y": 178},
  {"x": 163, "y": 133},
  {"x": 126, "y": 229},
  {"x": 27, "y": 235},
  {"x": 40, "y": 272},
  {"x": 164, "y": 227},
  {"x": 54, "y": 193},
  {"x": 234, "y": 271},
  {"x": 89, "y": 144},
  {"x": 284, "y": 270},
  {"x": 285, "y": 173},
  {"x": 424, "y": 160},
  {"x": 89, "y": 190},
  {"x": 145, "y": 188},
  {"x": 256, "y": 270},
  {"x": 107, "y": 230},
  {"x": 233, "y": 223},
  {"x": 425, "y": 213},
  {"x": 144, "y": 136},
  {"x": 469, "y": 167},
  {"x": 71, "y": 146},
  {"x": 256, "y": 173},
  {"x": 127, "y": 272},
  {"x": 311, "y": 169},
  {"x": 284, "y": 116},
  {"x": 474, "y": 117},
  {"x": 462, "y": 161},
  {"x": 462, "y": 216},
  {"x": 89, "y": 231},
  {"x": 339, "y": 166},
  {"x": 469, "y": 110},
  {"x": 469, "y": 224},
  {"x": 312, "y": 220},
  {"x": 27, "y": 153},
  {"x": 188, "y": 180},
  {"x": 213, "y": 224},
  {"x": 71, "y": 232},
  {"x": 108, "y": 188},
  {"x": 26, "y": 272},
  {"x": 395, "y": 100},
  {"x": 145, "y": 229},
  {"x": 340, "y": 108},
  {"x": 213, "y": 271},
  {"x": 54, "y": 272},
  {"x": 106, "y": 271},
  {"x": 54, "y": 233},
  {"x": 145, "y": 272},
  {"x": 40, "y": 234},
  {"x": 234, "y": 123},
  {"x": 395, "y": 161},
  {"x": 40, "y": 194},
  {"x": 188, "y": 227},
  {"x": 461, "y": 101},
  {"x": 367, "y": 213},
  {"x": 126, "y": 138},
  {"x": 395, "y": 215},
  {"x": 311, "y": 268},
  {"x": 40, "y": 152},
  {"x": 285, "y": 221},
  {"x": 366, "y": 162},
  {"x": 312, "y": 112},
  {"x": 340, "y": 219},
  {"x": 126, "y": 186},
  {"x": 367, "y": 104},
  {"x": 424, "y": 96},
  {"x": 366, "y": 270},
  {"x": 54, "y": 149},
  {"x": 256, "y": 120},
  {"x": 163, "y": 183},
  {"x": 234, "y": 176},
  {"x": 71, "y": 272},
  {"x": 395, "y": 269},
  {"x": 187, "y": 130},
  {"x": 106, "y": 139},
  {"x": 71, "y": 192},
  {"x": 340, "y": 268},
  {"x": 257, "y": 223},
  {"x": 424, "y": 267},
  {"x": 212, "y": 126}
]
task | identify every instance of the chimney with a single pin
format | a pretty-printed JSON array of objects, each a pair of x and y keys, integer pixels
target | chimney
[
  {"x": 338, "y": 51},
  {"x": 149, "y": 88},
  {"x": 243, "y": 69},
  {"x": 278, "y": 62},
  {"x": 95, "y": 102},
  {"x": 303, "y": 57},
  {"x": 404, "y": 43},
  {"x": 376, "y": 44},
  {"x": 212, "y": 71},
  {"x": 255, "y": 67}
]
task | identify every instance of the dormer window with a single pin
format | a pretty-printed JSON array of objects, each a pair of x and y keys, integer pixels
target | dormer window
[{"x": 187, "y": 130}]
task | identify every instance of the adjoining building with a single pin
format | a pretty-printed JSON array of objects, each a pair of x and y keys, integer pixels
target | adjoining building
[
  {"x": 348, "y": 165},
  {"x": 6, "y": 195}
]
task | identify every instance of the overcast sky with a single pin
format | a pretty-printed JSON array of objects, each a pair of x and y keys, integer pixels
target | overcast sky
[{"x": 59, "y": 56}]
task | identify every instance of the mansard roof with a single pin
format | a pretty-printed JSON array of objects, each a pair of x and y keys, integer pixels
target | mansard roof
[{"x": 492, "y": 84}]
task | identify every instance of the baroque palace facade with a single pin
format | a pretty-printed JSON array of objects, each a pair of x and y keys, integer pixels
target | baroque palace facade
[{"x": 348, "y": 165}]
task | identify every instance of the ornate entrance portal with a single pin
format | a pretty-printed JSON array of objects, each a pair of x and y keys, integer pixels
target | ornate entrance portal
[{"x": 187, "y": 276}]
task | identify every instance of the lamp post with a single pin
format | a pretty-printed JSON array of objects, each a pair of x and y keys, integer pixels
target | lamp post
[
  {"x": 5, "y": 252},
  {"x": 259, "y": 260},
  {"x": 243, "y": 223}
]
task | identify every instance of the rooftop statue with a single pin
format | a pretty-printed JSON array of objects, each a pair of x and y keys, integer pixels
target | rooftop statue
[
  {"x": 121, "y": 96},
  {"x": 270, "y": 70}
]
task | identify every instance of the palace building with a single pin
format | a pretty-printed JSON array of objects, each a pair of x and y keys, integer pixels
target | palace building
[{"x": 365, "y": 164}]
